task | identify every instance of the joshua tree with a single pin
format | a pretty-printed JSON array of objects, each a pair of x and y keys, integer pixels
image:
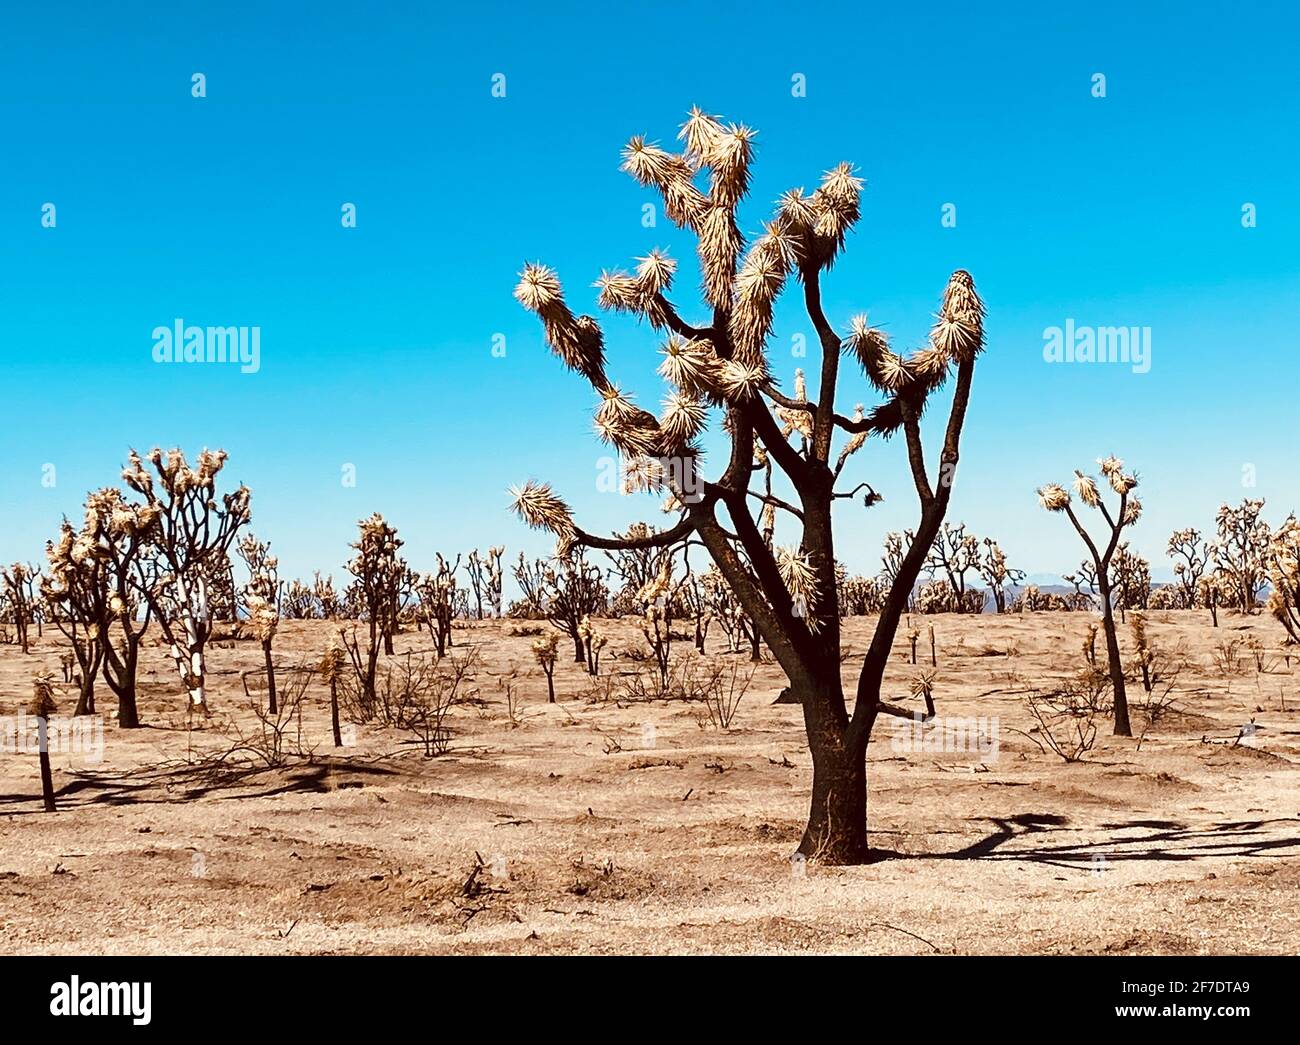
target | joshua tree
[
  {"x": 190, "y": 541},
  {"x": 96, "y": 584},
  {"x": 593, "y": 640},
  {"x": 722, "y": 364},
  {"x": 1240, "y": 553},
  {"x": 544, "y": 652},
  {"x": 76, "y": 593},
  {"x": 19, "y": 585},
  {"x": 636, "y": 568},
  {"x": 655, "y": 602},
  {"x": 298, "y": 602},
  {"x": 1190, "y": 556},
  {"x": 1130, "y": 579},
  {"x": 1209, "y": 594},
  {"x": 437, "y": 594},
  {"x": 331, "y": 668},
  {"x": 727, "y": 610},
  {"x": 262, "y": 603},
  {"x": 858, "y": 596},
  {"x": 997, "y": 574},
  {"x": 565, "y": 590},
  {"x": 378, "y": 570},
  {"x": 41, "y": 708},
  {"x": 331, "y": 606},
  {"x": 891, "y": 562},
  {"x": 956, "y": 553},
  {"x": 485, "y": 580},
  {"x": 1284, "y": 576},
  {"x": 1056, "y": 498}
]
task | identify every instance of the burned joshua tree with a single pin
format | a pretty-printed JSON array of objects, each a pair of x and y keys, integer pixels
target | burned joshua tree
[
  {"x": 997, "y": 574},
  {"x": 41, "y": 707},
  {"x": 1056, "y": 498},
  {"x": 76, "y": 594},
  {"x": 721, "y": 365},
  {"x": 20, "y": 582},
  {"x": 1240, "y": 554},
  {"x": 955, "y": 553},
  {"x": 1191, "y": 556},
  {"x": 95, "y": 588},
  {"x": 1284, "y": 577},
  {"x": 485, "y": 581},
  {"x": 565, "y": 590},
  {"x": 262, "y": 603},
  {"x": 379, "y": 571},
  {"x": 189, "y": 543},
  {"x": 437, "y": 594}
]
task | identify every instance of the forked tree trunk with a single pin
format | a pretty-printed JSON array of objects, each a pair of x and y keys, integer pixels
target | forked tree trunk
[{"x": 86, "y": 700}]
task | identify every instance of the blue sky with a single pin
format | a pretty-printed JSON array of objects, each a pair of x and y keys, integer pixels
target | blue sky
[{"x": 376, "y": 340}]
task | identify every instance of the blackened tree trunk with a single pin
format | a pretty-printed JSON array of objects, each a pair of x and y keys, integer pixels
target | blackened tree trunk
[
  {"x": 120, "y": 674},
  {"x": 837, "y": 820},
  {"x": 47, "y": 778},
  {"x": 86, "y": 698},
  {"x": 271, "y": 703},
  {"x": 1114, "y": 662},
  {"x": 334, "y": 711}
]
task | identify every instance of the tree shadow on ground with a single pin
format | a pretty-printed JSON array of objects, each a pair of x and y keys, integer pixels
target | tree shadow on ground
[
  {"x": 169, "y": 783},
  {"x": 1044, "y": 838}
]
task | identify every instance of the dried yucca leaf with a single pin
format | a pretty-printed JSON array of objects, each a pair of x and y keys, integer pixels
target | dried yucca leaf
[
  {"x": 540, "y": 508},
  {"x": 1054, "y": 497},
  {"x": 683, "y": 419},
  {"x": 1086, "y": 489}
]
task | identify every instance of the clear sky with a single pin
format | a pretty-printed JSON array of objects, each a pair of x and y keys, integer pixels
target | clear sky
[{"x": 376, "y": 341}]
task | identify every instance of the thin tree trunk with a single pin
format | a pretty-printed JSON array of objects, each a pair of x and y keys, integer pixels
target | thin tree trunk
[
  {"x": 47, "y": 778},
  {"x": 1116, "y": 666},
  {"x": 334, "y": 712},
  {"x": 272, "y": 705}
]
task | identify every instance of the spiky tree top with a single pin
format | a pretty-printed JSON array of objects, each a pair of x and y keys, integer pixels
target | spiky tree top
[
  {"x": 190, "y": 530},
  {"x": 723, "y": 365}
]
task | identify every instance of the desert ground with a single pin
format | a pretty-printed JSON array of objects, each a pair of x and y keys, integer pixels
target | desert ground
[{"x": 575, "y": 827}]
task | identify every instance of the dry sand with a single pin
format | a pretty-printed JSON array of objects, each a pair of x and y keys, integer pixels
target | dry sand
[{"x": 601, "y": 835}]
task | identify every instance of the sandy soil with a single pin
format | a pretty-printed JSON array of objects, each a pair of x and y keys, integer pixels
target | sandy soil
[{"x": 600, "y": 834}]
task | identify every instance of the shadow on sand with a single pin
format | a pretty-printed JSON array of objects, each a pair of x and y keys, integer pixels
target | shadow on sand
[{"x": 1044, "y": 838}]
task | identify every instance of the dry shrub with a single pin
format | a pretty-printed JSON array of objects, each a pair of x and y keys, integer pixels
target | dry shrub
[
  {"x": 276, "y": 738},
  {"x": 1066, "y": 723},
  {"x": 417, "y": 693},
  {"x": 1228, "y": 659},
  {"x": 720, "y": 686}
]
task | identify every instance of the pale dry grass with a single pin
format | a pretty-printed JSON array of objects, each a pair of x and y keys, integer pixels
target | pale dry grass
[{"x": 640, "y": 828}]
